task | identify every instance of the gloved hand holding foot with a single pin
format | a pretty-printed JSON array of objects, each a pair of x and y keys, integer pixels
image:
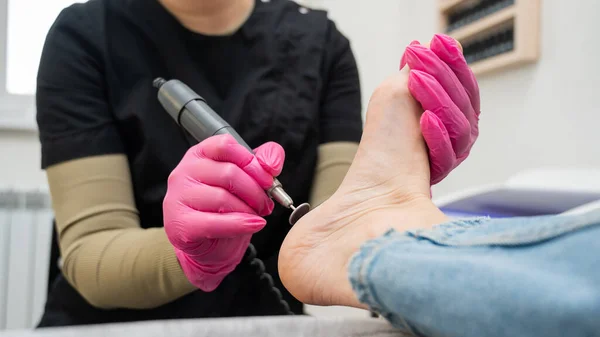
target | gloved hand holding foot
[
  {"x": 443, "y": 83},
  {"x": 214, "y": 203}
]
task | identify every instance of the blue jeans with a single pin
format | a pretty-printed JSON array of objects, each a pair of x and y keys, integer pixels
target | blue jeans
[{"x": 518, "y": 277}]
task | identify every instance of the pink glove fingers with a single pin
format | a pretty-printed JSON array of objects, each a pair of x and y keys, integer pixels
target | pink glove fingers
[
  {"x": 423, "y": 59},
  {"x": 233, "y": 179},
  {"x": 448, "y": 51},
  {"x": 271, "y": 157},
  {"x": 436, "y": 137},
  {"x": 224, "y": 148},
  {"x": 225, "y": 225},
  {"x": 208, "y": 225},
  {"x": 403, "y": 59},
  {"x": 441, "y": 80},
  {"x": 432, "y": 96},
  {"x": 206, "y": 198}
]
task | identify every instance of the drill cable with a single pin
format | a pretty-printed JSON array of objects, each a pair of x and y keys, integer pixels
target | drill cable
[{"x": 266, "y": 278}]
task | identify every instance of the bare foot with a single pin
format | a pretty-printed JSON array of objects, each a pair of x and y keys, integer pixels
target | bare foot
[{"x": 387, "y": 186}]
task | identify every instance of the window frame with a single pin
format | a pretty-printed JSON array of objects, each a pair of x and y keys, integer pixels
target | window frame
[{"x": 17, "y": 112}]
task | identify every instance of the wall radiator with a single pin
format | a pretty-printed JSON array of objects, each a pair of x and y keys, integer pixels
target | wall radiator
[{"x": 25, "y": 237}]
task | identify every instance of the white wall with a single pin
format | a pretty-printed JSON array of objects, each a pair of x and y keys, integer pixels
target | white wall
[
  {"x": 20, "y": 155},
  {"x": 540, "y": 115}
]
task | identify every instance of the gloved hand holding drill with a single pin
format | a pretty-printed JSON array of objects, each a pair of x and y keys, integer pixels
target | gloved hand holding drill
[
  {"x": 214, "y": 203},
  {"x": 216, "y": 195}
]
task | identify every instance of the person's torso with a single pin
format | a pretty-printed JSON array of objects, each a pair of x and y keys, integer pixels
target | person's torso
[{"x": 268, "y": 88}]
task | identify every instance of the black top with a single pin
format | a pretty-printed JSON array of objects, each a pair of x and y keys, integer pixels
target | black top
[
  {"x": 287, "y": 76},
  {"x": 227, "y": 56}
]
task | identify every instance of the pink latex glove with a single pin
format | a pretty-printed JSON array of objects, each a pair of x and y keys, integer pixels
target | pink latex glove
[
  {"x": 443, "y": 83},
  {"x": 215, "y": 201}
]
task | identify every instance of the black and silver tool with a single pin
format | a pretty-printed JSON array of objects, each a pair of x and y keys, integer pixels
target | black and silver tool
[{"x": 193, "y": 114}]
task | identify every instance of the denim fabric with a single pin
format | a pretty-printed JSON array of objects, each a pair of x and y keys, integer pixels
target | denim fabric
[{"x": 517, "y": 277}]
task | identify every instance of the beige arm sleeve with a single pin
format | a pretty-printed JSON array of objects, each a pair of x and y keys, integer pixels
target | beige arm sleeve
[
  {"x": 332, "y": 165},
  {"x": 107, "y": 256}
]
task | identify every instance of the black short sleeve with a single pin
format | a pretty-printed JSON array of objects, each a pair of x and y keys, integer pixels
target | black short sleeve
[
  {"x": 73, "y": 113},
  {"x": 341, "y": 118}
]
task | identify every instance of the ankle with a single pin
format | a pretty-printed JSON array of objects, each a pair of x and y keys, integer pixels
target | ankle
[
  {"x": 372, "y": 216},
  {"x": 420, "y": 213}
]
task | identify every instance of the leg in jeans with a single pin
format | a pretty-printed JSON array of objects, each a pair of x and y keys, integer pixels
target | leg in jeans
[
  {"x": 537, "y": 276},
  {"x": 517, "y": 277}
]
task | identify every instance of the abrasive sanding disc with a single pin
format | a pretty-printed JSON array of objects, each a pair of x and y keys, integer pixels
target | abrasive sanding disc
[{"x": 299, "y": 212}]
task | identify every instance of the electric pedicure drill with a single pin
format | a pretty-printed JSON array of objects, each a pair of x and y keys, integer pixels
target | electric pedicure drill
[{"x": 193, "y": 114}]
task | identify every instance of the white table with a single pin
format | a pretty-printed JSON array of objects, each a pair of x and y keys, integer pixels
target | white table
[{"x": 227, "y": 327}]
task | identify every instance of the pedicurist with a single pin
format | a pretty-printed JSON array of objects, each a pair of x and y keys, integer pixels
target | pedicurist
[
  {"x": 274, "y": 70},
  {"x": 119, "y": 168}
]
